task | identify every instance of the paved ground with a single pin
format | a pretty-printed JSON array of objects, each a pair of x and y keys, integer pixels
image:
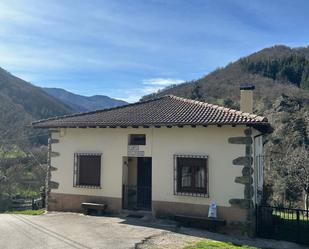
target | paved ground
[{"x": 68, "y": 230}]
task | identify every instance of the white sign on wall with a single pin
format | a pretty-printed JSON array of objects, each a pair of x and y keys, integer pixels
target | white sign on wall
[{"x": 133, "y": 150}]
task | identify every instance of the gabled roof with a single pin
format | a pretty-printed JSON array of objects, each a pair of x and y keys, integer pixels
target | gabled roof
[{"x": 164, "y": 111}]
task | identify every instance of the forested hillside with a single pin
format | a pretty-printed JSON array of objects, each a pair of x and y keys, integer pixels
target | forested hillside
[
  {"x": 22, "y": 150},
  {"x": 280, "y": 75},
  {"x": 84, "y": 103},
  {"x": 21, "y": 103},
  {"x": 222, "y": 85}
]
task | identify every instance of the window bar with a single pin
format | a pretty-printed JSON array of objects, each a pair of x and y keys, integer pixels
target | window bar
[
  {"x": 77, "y": 169},
  {"x": 74, "y": 170},
  {"x": 184, "y": 193},
  {"x": 175, "y": 174}
]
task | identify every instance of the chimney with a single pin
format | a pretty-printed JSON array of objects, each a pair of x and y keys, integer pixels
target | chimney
[{"x": 246, "y": 98}]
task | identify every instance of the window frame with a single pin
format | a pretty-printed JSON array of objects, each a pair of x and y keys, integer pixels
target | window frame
[
  {"x": 130, "y": 139},
  {"x": 190, "y": 191},
  {"x": 76, "y": 171}
]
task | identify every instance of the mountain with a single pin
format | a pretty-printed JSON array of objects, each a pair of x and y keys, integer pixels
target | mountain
[
  {"x": 82, "y": 103},
  {"x": 21, "y": 103},
  {"x": 222, "y": 85},
  {"x": 23, "y": 155},
  {"x": 280, "y": 74}
]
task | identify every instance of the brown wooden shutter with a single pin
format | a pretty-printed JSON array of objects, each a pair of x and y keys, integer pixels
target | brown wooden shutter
[{"x": 89, "y": 170}]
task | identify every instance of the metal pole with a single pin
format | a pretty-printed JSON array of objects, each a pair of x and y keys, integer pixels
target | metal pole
[{"x": 298, "y": 226}]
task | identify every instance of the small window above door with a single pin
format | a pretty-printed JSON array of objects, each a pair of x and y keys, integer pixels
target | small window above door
[{"x": 137, "y": 139}]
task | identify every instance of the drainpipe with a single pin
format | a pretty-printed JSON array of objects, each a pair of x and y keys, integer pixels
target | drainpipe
[{"x": 255, "y": 167}]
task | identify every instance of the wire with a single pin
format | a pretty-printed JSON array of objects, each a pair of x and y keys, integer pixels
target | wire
[
  {"x": 31, "y": 154},
  {"x": 36, "y": 159}
]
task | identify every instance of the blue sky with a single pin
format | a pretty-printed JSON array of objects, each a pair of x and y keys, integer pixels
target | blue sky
[{"x": 128, "y": 48}]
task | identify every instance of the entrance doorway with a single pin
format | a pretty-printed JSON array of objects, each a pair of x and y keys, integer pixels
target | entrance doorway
[{"x": 136, "y": 194}]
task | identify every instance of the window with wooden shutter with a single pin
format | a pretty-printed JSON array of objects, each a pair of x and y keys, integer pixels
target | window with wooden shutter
[
  {"x": 87, "y": 171},
  {"x": 191, "y": 175}
]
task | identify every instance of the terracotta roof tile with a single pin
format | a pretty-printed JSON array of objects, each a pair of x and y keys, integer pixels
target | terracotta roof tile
[{"x": 168, "y": 111}]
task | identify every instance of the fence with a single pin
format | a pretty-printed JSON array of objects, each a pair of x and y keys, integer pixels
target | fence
[
  {"x": 136, "y": 197},
  {"x": 283, "y": 224},
  {"x": 20, "y": 204}
]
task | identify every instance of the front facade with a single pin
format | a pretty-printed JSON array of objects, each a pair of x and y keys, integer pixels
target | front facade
[{"x": 168, "y": 169}]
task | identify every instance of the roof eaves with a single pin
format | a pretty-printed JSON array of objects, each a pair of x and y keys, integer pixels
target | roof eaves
[{"x": 90, "y": 125}]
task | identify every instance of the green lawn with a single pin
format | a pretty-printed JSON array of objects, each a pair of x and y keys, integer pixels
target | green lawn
[
  {"x": 291, "y": 216},
  {"x": 204, "y": 244},
  {"x": 27, "y": 212}
]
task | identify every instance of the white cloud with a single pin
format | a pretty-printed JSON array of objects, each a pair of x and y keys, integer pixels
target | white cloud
[
  {"x": 148, "y": 86},
  {"x": 135, "y": 94},
  {"x": 162, "y": 81}
]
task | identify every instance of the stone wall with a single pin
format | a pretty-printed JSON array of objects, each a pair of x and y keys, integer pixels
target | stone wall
[
  {"x": 245, "y": 203},
  {"x": 49, "y": 183}
]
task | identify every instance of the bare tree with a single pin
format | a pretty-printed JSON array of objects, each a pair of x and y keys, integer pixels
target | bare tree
[
  {"x": 22, "y": 171},
  {"x": 297, "y": 170}
]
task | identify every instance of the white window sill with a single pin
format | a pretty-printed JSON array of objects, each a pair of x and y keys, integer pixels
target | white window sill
[{"x": 87, "y": 186}]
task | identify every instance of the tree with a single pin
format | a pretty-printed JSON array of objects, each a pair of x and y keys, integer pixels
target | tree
[
  {"x": 196, "y": 92},
  {"x": 22, "y": 172},
  {"x": 304, "y": 84},
  {"x": 293, "y": 68},
  {"x": 297, "y": 170}
]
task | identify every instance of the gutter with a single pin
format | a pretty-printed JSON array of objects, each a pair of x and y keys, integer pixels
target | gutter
[{"x": 255, "y": 168}]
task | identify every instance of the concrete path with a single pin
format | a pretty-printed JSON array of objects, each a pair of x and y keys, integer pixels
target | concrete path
[{"x": 70, "y": 230}]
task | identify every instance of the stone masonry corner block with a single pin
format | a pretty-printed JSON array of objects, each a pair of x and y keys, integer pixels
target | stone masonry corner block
[{"x": 240, "y": 140}]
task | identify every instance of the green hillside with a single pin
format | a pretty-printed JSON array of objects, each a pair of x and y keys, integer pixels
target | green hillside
[
  {"x": 22, "y": 151},
  {"x": 84, "y": 103},
  {"x": 222, "y": 85},
  {"x": 21, "y": 103}
]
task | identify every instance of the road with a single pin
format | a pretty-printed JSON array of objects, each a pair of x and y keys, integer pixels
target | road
[
  {"x": 77, "y": 231},
  {"x": 67, "y": 230}
]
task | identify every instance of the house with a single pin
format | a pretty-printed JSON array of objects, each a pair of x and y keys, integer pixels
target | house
[{"x": 169, "y": 155}]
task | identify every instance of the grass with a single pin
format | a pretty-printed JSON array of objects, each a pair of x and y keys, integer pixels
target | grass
[
  {"x": 290, "y": 216},
  {"x": 27, "y": 212},
  {"x": 204, "y": 244}
]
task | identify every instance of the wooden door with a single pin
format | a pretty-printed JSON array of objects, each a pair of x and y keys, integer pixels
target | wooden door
[{"x": 144, "y": 169}]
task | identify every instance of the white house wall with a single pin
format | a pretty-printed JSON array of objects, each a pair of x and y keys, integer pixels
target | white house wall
[{"x": 161, "y": 144}]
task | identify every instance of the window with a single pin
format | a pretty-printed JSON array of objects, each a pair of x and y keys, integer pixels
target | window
[
  {"x": 137, "y": 139},
  {"x": 191, "y": 175},
  {"x": 87, "y": 170}
]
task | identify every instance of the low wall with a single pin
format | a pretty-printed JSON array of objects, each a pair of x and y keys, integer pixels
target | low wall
[
  {"x": 72, "y": 203},
  {"x": 236, "y": 218}
]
